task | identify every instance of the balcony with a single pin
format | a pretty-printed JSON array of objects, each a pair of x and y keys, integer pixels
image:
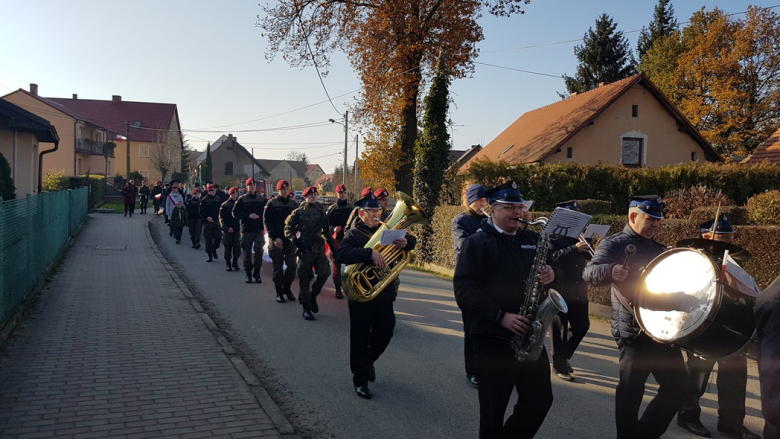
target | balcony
[{"x": 89, "y": 146}]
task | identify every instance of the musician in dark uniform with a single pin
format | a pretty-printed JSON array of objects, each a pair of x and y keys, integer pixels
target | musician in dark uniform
[
  {"x": 280, "y": 249},
  {"x": 464, "y": 225},
  {"x": 768, "y": 330},
  {"x": 370, "y": 323},
  {"x": 732, "y": 372},
  {"x": 338, "y": 213},
  {"x": 568, "y": 329},
  {"x": 489, "y": 286},
  {"x": 383, "y": 196},
  {"x": 640, "y": 355},
  {"x": 354, "y": 215}
]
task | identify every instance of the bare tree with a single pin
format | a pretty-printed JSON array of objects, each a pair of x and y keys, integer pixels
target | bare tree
[{"x": 165, "y": 154}]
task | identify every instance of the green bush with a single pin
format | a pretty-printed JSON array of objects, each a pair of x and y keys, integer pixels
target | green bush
[
  {"x": 764, "y": 208},
  {"x": 737, "y": 215},
  {"x": 681, "y": 202},
  {"x": 55, "y": 180},
  {"x": 550, "y": 184},
  {"x": 136, "y": 177},
  {"x": 97, "y": 184},
  {"x": 595, "y": 207},
  {"x": 7, "y": 188}
]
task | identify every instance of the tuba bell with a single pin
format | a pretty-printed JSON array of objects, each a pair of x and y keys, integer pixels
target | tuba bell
[{"x": 363, "y": 282}]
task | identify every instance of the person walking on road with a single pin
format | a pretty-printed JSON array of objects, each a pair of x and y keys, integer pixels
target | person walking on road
[
  {"x": 171, "y": 200},
  {"x": 338, "y": 213},
  {"x": 157, "y": 198},
  {"x": 144, "y": 192},
  {"x": 194, "y": 221},
  {"x": 280, "y": 249},
  {"x": 249, "y": 209},
  {"x": 178, "y": 220},
  {"x": 128, "y": 196},
  {"x": 312, "y": 223},
  {"x": 230, "y": 226},
  {"x": 209, "y": 213}
]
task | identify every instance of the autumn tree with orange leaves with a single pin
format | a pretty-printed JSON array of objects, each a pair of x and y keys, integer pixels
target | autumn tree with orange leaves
[
  {"x": 393, "y": 47},
  {"x": 723, "y": 73}
]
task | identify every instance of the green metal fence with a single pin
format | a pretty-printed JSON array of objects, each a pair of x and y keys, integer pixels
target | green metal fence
[{"x": 32, "y": 232}]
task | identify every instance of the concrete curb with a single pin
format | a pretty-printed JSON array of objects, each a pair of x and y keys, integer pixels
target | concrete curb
[{"x": 261, "y": 395}]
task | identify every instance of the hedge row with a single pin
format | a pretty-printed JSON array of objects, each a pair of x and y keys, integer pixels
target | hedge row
[
  {"x": 550, "y": 184},
  {"x": 56, "y": 181},
  {"x": 760, "y": 241}
]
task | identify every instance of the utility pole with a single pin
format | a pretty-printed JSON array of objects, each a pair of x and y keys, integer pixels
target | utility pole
[
  {"x": 346, "y": 140},
  {"x": 355, "y": 167},
  {"x": 253, "y": 164},
  {"x": 127, "y": 128}
]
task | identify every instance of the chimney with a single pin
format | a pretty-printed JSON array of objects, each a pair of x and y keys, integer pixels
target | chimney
[
  {"x": 116, "y": 98},
  {"x": 573, "y": 94},
  {"x": 601, "y": 84},
  {"x": 75, "y": 96},
  {"x": 34, "y": 89}
]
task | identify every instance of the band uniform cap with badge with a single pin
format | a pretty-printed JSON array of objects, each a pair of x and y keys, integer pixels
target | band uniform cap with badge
[
  {"x": 233, "y": 190},
  {"x": 282, "y": 184},
  {"x": 341, "y": 188},
  {"x": 309, "y": 190},
  {"x": 651, "y": 205},
  {"x": 381, "y": 193},
  {"x": 369, "y": 202},
  {"x": 724, "y": 226},
  {"x": 250, "y": 181},
  {"x": 571, "y": 205},
  {"x": 507, "y": 193}
]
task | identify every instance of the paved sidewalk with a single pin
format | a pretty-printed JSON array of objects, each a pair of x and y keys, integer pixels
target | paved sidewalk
[{"x": 115, "y": 349}]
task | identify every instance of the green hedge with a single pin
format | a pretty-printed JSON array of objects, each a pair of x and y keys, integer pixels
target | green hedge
[{"x": 550, "y": 184}]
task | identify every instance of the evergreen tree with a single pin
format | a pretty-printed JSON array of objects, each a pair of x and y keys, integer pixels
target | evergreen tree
[
  {"x": 433, "y": 144},
  {"x": 663, "y": 25},
  {"x": 604, "y": 56},
  {"x": 7, "y": 189},
  {"x": 205, "y": 173}
]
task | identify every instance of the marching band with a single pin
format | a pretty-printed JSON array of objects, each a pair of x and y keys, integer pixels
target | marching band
[{"x": 513, "y": 284}]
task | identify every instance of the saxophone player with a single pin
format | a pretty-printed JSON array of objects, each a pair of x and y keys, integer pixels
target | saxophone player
[
  {"x": 371, "y": 323},
  {"x": 489, "y": 287}
]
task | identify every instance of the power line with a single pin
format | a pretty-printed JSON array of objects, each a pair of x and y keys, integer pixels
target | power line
[
  {"x": 314, "y": 61},
  {"x": 518, "y": 70}
]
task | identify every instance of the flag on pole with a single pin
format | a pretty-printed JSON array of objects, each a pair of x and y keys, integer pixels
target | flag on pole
[
  {"x": 120, "y": 138},
  {"x": 737, "y": 278}
]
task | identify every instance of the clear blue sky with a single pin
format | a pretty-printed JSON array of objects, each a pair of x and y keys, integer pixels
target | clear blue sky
[{"x": 208, "y": 57}]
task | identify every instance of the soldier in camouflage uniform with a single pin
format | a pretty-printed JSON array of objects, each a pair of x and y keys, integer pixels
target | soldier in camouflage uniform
[
  {"x": 230, "y": 230},
  {"x": 249, "y": 209},
  {"x": 338, "y": 213},
  {"x": 311, "y": 221},
  {"x": 209, "y": 214},
  {"x": 281, "y": 249}
]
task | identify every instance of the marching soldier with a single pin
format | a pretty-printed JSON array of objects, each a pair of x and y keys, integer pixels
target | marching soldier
[
  {"x": 568, "y": 330},
  {"x": 732, "y": 372},
  {"x": 249, "y": 209},
  {"x": 384, "y": 200},
  {"x": 311, "y": 221},
  {"x": 280, "y": 249},
  {"x": 338, "y": 213},
  {"x": 230, "y": 229},
  {"x": 194, "y": 223},
  {"x": 209, "y": 214}
]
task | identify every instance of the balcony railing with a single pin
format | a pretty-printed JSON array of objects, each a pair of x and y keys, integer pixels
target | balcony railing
[{"x": 88, "y": 146}]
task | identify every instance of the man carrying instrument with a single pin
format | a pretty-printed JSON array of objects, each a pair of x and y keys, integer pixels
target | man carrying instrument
[
  {"x": 338, "y": 213},
  {"x": 489, "y": 288},
  {"x": 371, "y": 323},
  {"x": 311, "y": 222},
  {"x": 354, "y": 215},
  {"x": 464, "y": 225},
  {"x": 280, "y": 249},
  {"x": 768, "y": 330},
  {"x": 640, "y": 355},
  {"x": 568, "y": 329},
  {"x": 732, "y": 372}
]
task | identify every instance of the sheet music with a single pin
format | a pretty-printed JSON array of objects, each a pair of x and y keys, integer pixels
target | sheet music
[
  {"x": 565, "y": 222},
  {"x": 390, "y": 236},
  {"x": 528, "y": 204},
  {"x": 598, "y": 230}
]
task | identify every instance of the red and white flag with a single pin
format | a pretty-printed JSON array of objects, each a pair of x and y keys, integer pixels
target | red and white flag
[
  {"x": 120, "y": 138},
  {"x": 737, "y": 278}
]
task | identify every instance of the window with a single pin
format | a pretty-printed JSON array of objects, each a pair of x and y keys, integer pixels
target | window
[
  {"x": 505, "y": 151},
  {"x": 143, "y": 150},
  {"x": 137, "y": 124},
  {"x": 145, "y": 175},
  {"x": 632, "y": 152},
  {"x": 569, "y": 153},
  {"x": 693, "y": 156},
  {"x": 229, "y": 168},
  {"x": 635, "y": 111}
]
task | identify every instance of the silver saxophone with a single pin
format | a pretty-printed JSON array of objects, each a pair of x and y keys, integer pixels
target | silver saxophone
[{"x": 528, "y": 347}]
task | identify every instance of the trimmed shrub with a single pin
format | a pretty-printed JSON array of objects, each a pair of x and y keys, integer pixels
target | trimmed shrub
[
  {"x": 136, "y": 177},
  {"x": 595, "y": 207},
  {"x": 764, "y": 208},
  {"x": 55, "y": 180},
  {"x": 7, "y": 188},
  {"x": 681, "y": 202},
  {"x": 737, "y": 215}
]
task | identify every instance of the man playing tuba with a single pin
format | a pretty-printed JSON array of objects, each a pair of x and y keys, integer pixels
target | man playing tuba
[{"x": 371, "y": 322}]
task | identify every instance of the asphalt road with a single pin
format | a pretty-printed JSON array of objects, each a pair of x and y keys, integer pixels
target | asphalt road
[{"x": 421, "y": 390}]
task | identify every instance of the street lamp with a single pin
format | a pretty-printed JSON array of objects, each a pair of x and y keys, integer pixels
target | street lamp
[{"x": 346, "y": 140}]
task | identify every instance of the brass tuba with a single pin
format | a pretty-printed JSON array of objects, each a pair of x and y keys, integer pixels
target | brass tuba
[{"x": 363, "y": 282}]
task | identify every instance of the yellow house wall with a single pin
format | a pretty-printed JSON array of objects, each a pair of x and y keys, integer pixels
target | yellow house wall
[
  {"x": 601, "y": 142},
  {"x": 25, "y": 171},
  {"x": 138, "y": 163}
]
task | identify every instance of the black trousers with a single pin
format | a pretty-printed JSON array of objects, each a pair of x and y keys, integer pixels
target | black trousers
[
  {"x": 195, "y": 225},
  {"x": 638, "y": 359},
  {"x": 177, "y": 233},
  {"x": 130, "y": 208},
  {"x": 469, "y": 348},
  {"x": 212, "y": 233},
  {"x": 156, "y": 205},
  {"x": 232, "y": 244},
  {"x": 499, "y": 373},
  {"x": 371, "y": 327},
  {"x": 567, "y": 331},
  {"x": 144, "y": 202},
  {"x": 732, "y": 389}
]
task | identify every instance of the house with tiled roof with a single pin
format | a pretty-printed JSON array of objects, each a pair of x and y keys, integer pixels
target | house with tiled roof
[
  {"x": 284, "y": 169},
  {"x": 152, "y": 132},
  {"x": 313, "y": 173},
  {"x": 769, "y": 151},
  {"x": 232, "y": 163},
  {"x": 628, "y": 123}
]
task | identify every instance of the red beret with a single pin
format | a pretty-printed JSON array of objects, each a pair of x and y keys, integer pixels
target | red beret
[
  {"x": 341, "y": 188},
  {"x": 250, "y": 181},
  {"x": 381, "y": 193},
  {"x": 309, "y": 190},
  {"x": 233, "y": 190},
  {"x": 175, "y": 185},
  {"x": 210, "y": 187},
  {"x": 282, "y": 184},
  {"x": 366, "y": 191},
  {"x": 195, "y": 191}
]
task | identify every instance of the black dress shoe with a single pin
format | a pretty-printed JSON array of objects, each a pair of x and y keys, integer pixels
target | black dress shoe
[
  {"x": 235, "y": 267},
  {"x": 279, "y": 298},
  {"x": 740, "y": 432},
  {"x": 248, "y": 277},
  {"x": 372, "y": 374},
  {"x": 197, "y": 246},
  {"x": 307, "y": 314},
  {"x": 258, "y": 280},
  {"x": 472, "y": 381},
  {"x": 228, "y": 268},
  {"x": 694, "y": 427},
  {"x": 363, "y": 392},
  {"x": 193, "y": 246},
  {"x": 209, "y": 259},
  {"x": 563, "y": 375},
  {"x": 177, "y": 241}
]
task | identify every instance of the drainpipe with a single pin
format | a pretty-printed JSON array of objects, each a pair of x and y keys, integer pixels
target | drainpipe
[
  {"x": 13, "y": 174},
  {"x": 40, "y": 164},
  {"x": 75, "y": 121}
]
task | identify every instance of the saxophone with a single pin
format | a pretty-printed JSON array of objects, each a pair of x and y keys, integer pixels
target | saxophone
[{"x": 528, "y": 347}]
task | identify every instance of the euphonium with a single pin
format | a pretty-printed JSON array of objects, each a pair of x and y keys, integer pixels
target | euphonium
[
  {"x": 363, "y": 282},
  {"x": 528, "y": 347}
]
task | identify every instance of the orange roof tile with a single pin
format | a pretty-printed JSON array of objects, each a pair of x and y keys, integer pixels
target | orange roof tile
[{"x": 769, "y": 150}]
